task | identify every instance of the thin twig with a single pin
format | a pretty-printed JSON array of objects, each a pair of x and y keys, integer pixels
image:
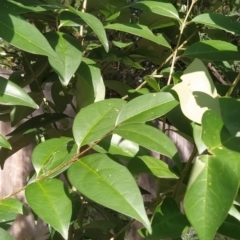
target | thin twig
[
  {"x": 236, "y": 81},
  {"x": 179, "y": 40}
]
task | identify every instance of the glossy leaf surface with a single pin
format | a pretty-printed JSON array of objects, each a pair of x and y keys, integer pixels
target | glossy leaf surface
[
  {"x": 96, "y": 120},
  {"x": 25, "y": 36},
  {"x": 52, "y": 153},
  {"x": 150, "y": 138},
  {"x": 69, "y": 51},
  {"x": 12, "y": 94},
  {"x": 115, "y": 186},
  {"x": 146, "y": 107},
  {"x": 49, "y": 201},
  {"x": 205, "y": 202}
]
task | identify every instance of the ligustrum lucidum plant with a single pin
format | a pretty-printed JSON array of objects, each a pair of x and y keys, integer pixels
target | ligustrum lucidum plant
[{"x": 113, "y": 67}]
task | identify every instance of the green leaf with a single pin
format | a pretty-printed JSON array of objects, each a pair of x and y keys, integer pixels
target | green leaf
[
  {"x": 37, "y": 122},
  {"x": 21, "y": 34},
  {"x": 4, "y": 143},
  {"x": 69, "y": 51},
  {"x": 5, "y": 235},
  {"x": 160, "y": 8},
  {"x": 197, "y": 91},
  {"x": 96, "y": 120},
  {"x": 213, "y": 50},
  {"x": 218, "y": 21},
  {"x": 70, "y": 19},
  {"x": 18, "y": 113},
  {"x": 150, "y": 138},
  {"x": 90, "y": 87},
  {"x": 48, "y": 199},
  {"x": 146, "y": 107},
  {"x": 51, "y": 154},
  {"x": 197, "y": 134},
  {"x": 150, "y": 165},
  {"x": 152, "y": 82},
  {"x": 205, "y": 202},
  {"x": 167, "y": 221},
  {"x": 120, "y": 87},
  {"x": 111, "y": 185},
  {"x": 116, "y": 145},
  {"x": 12, "y": 94},
  {"x": 139, "y": 30},
  {"x": 9, "y": 208},
  {"x": 95, "y": 24},
  {"x": 230, "y": 228}
]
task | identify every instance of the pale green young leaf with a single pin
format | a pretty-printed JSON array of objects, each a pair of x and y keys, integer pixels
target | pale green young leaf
[
  {"x": 12, "y": 94},
  {"x": 48, "y": 199},
  {"x": 196, "y": 92},
  {"x": 146, "y": 107},
  {"x": 112, "y": 185},
  {"x": 96, "y": 120},
  {"x": 69, "y": 51},
  {"x": 139, "y": 30},
  {"x": 95, "y": 24}
]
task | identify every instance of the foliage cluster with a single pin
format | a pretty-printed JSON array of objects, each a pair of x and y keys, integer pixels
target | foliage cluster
[{"x": 119, "y": 65}]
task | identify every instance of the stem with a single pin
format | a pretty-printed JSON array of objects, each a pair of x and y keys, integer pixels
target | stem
[
  {"x": 237, "y": 79},
  {"x": 139, "y": 87},
  {"x": 122, "y": 230},
  {"x": 185, "y": 171},
  {"x": 84, "y": 7},
  {"x": 179, "y": 40}
]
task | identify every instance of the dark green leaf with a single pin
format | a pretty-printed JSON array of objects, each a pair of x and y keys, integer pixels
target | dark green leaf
[
  {"x": 120, "y": 87},
  {"x": 37, "y": 122},
  {"x": 167, "y": 221},
  {"x": 48, "y": 199},
  {"x": 230, "y": 228},
  {"x": 111, "y": 185}
]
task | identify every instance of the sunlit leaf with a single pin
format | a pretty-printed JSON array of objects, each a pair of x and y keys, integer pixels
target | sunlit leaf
[
  {"x": 114, "y": 186},
  {"x": 4, "y": 143},
  {"x": 48, "y": 199},
  {"x": 96, "y": 120},
  {"x": 146, "y": 107},
  {"x": 12, "y": 94}
]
